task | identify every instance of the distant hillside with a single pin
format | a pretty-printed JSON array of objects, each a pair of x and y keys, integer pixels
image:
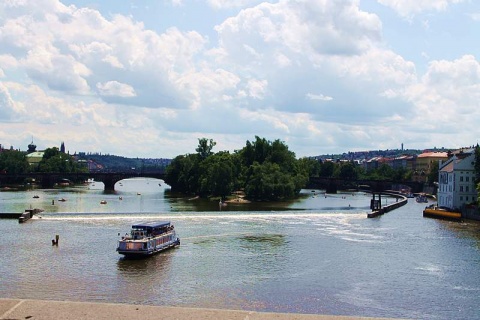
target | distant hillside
[
  {"x": 355, "y": 155},
  {"x": 118, "y": 163}
]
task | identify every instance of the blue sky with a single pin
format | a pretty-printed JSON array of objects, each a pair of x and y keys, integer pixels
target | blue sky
[{"x": 148, "y": 78}]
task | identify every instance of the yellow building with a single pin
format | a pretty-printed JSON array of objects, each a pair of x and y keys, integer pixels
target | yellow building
[{"x": 424, "y": 164}]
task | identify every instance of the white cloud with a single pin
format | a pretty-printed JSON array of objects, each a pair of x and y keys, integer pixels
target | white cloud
[
  {"x": 475, "y": 16},
  {"x": 226, "y": 4},
  {"x": 257, "y": 88},
  {"x": 263, "y": 71},
  {"x": 408, "y": 8},
  {"x": 115, "y": 88},
  {"x": 321, "y": 97}
]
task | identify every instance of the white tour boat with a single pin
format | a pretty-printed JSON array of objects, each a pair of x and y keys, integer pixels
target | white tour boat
[{"x": 148, "y": 238}]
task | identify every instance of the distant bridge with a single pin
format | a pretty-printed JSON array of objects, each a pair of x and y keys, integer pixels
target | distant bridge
[
  {"x": 332, "y": 185},
  {"x": 48, "y": 180}
]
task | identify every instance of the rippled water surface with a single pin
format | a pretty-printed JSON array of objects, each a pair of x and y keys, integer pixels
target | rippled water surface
[{"x": 316, "y": 255}]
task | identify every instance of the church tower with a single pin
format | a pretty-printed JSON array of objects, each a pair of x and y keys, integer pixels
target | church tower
[
  {"x": 31, "y": 147},
  {"x": 62, "y": 147}
]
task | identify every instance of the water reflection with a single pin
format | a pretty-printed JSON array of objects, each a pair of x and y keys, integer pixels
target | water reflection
[
  {"x": 263, "y": 242},
  {"x": 147, "y": 266},
  {"x": 465, "y": 230}
]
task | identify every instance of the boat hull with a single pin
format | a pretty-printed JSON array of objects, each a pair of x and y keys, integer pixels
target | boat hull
[
  {"x": 442, "y": 214},
  {"x": 137, "y": 249}
]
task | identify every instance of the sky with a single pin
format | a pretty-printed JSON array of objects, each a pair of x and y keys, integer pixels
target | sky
[{"x": 148, "y": 78}]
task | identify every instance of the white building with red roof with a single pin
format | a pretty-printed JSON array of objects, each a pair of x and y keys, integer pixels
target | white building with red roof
[{"x": 456, "y": 181}]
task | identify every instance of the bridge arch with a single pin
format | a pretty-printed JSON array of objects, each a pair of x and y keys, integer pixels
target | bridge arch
[{"x": 48, "y": 180}]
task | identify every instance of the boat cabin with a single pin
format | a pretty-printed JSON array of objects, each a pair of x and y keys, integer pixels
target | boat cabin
[{"x": 150, "y": 229}]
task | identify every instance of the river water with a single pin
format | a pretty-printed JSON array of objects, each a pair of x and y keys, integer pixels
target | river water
[{"x": 318, "y": 255}]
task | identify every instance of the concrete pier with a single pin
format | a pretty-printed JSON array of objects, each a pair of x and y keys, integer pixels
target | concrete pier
[
  {"x": 53, "y": 310},
  {"x": 378, "y": 210},
  {"x": 28, "y": 214}
]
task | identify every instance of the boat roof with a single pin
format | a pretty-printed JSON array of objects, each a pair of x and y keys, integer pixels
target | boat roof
[{"x": 152, "y": 224}]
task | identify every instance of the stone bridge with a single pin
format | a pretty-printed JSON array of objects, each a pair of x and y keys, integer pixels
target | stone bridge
[{"x": 48, "y": 180}]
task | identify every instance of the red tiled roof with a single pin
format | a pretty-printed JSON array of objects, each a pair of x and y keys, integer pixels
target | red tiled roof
[
  {"x": 448, "y": 167},
  {"x": 433, "y": 155}
]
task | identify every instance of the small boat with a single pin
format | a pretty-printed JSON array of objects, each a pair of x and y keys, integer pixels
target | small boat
[
  {"x": 103, "y": 202},
  {"x": 421, "y": 198},
  {"x": 62, "y": 200},
  {"x": 36, "y": 197},
  {"x": 148, "y": 238},
  {"x": 442, "y": 213}
]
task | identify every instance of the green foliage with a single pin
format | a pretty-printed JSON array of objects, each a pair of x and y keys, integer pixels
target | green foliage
[
  {"x": 312, "y": 166},
  {"x": 217, "y": 175},
  {"x": 13, "y": 162},
  {"x": 433, "y": 175},
  {"x": 347, "y": 171},
  {"x": 50, "y": 153},
  {"x": 183, "y": 174},
  {"x": 385, "y": 172},
  {"x": 327, "y": 169},
  {"x": 265, "y": 170},
  {"x": 55, "y": 161},
  {"x": 205, "y": 147},
  {"x": 477, "y": 164}
]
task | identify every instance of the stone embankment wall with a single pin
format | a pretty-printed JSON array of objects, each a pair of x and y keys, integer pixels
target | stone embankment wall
[
  {"x": 471, "y": 213},
  {"x": 401, "y": 201}
]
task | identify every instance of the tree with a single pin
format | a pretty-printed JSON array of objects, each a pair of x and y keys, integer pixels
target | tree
[
  {"x": 311, "y": 166},
  {"x": 347, "y": 171},
  {"x": 183, "y": 174},
  {"x": 433, "y": 174},
  {"x": 55, "y": 161},
  {"x": 265, "y": 170},
  {"x": 13, "y": 162},
  {"x": 477, "y": 164},
  {"x": 327, "y": 169},
  {"x": 205, "y": 147},
  {"x": 50, "y": 153},
  {"x": 218, "y": 175},
  {"x": 275, "y": 173}
]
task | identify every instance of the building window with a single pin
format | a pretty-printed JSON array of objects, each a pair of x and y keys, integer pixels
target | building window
[
  {"x": 461, "y": 188},
  {"x": 461, "y": 198},
  {"x": 467, "y": 178},
  {"x": 466, "y": 189},
  {"x": 461, "y": 178}
]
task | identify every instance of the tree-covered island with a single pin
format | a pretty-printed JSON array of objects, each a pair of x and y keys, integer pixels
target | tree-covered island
[{"x": 263, "y": 170}]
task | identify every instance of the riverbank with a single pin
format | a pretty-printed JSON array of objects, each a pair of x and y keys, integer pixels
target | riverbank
[{"x": 65, "y": 310}]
